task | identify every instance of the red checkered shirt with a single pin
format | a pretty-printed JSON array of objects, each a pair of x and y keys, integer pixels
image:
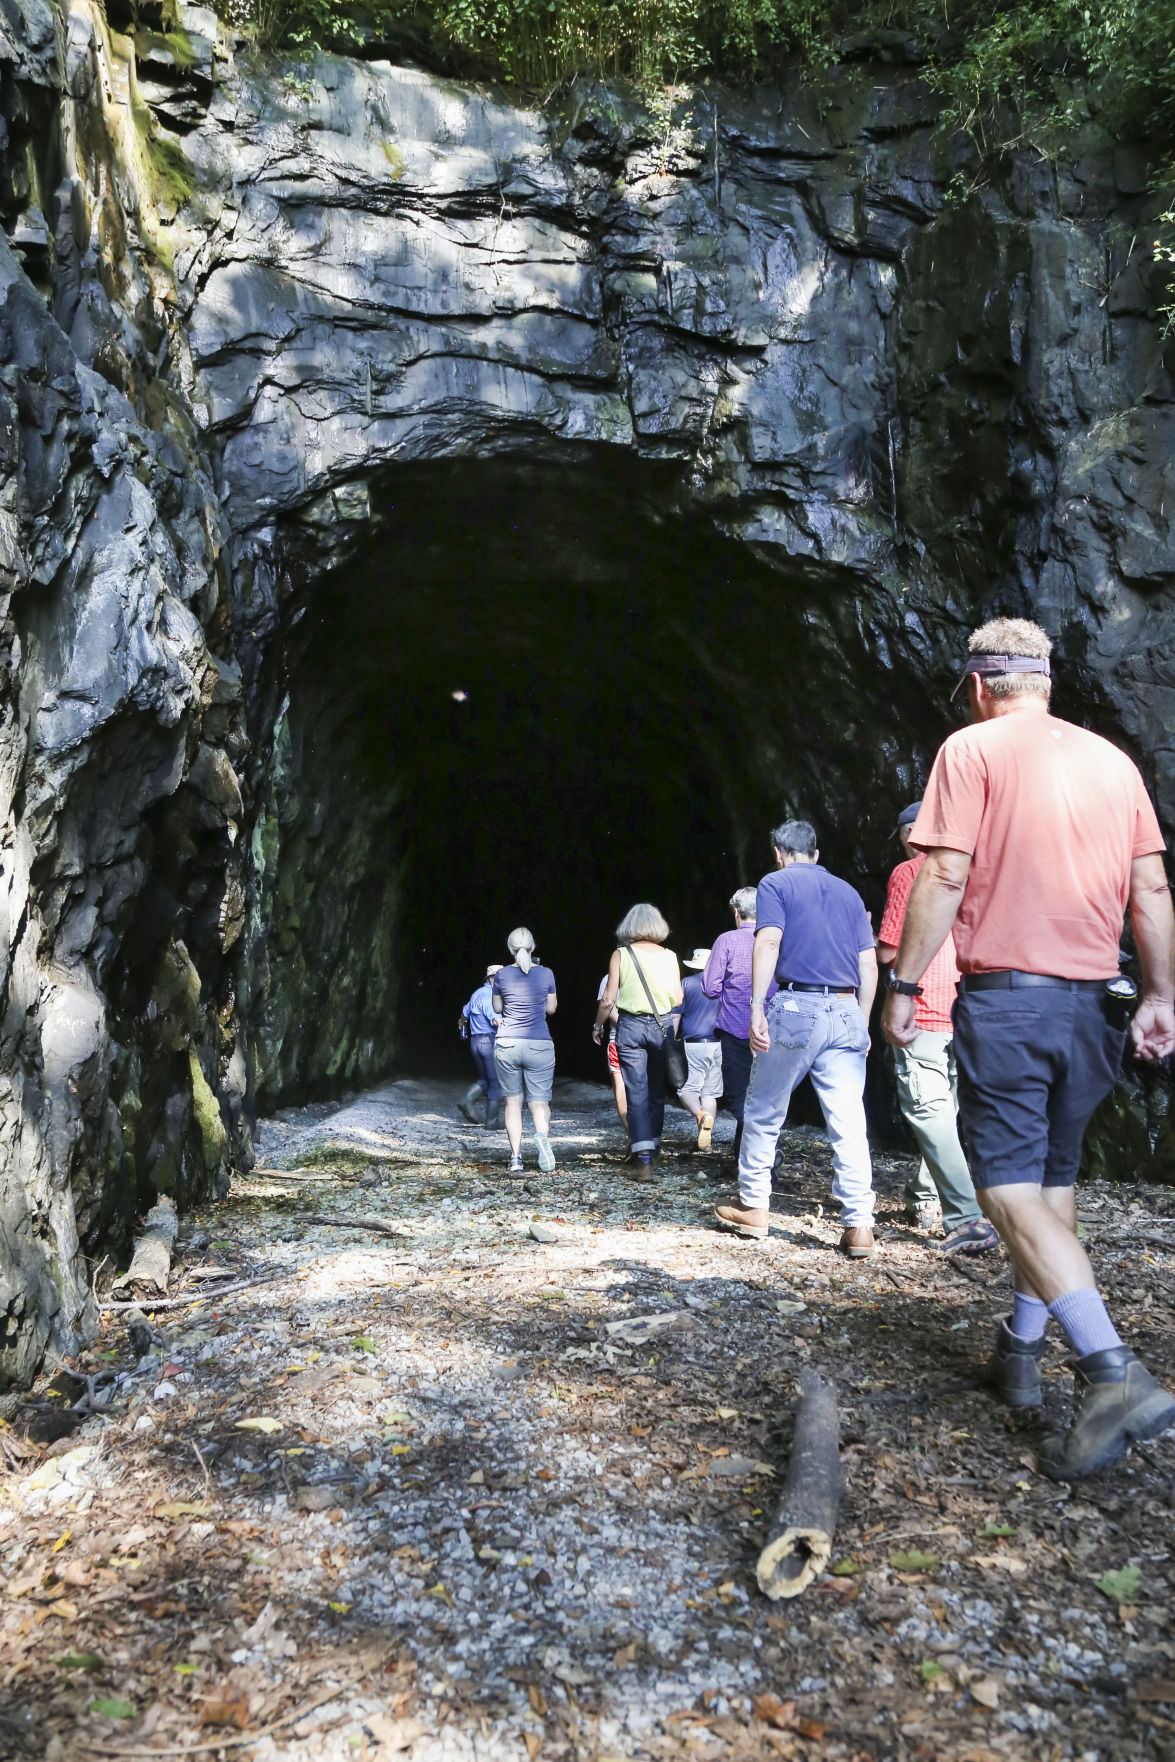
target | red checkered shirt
[{"x": 932, "y": 1011}]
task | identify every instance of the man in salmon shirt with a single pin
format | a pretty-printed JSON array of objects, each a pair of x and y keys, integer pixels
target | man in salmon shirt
[
  {"x": 1038, "y": 835},
  {"x": 925, "y": 1073}
]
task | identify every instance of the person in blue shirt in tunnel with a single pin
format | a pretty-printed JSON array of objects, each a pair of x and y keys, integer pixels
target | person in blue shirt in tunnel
[{"x": 482, "y": 1104}]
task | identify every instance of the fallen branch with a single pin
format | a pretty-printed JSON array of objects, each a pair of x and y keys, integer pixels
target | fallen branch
[
  {"x": 800, "y": 1543},
  {"x": 213, "y": 1296},
  {"x": 381, "y": 1226},
  {"x": 150, "y": 1265}
]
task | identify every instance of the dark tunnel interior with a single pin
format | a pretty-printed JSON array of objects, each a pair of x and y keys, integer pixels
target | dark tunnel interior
[{"x": 534, "y": 695}]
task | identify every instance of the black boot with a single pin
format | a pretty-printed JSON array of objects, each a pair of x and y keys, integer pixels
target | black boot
[
  {"x": 1116, "y": 1400},
  {"x": 470, "y": 1100},
  {"x": 1013, "y": 1370}
]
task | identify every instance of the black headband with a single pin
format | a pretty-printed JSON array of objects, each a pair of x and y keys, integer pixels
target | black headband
[{"x": 1002, "y": 664}]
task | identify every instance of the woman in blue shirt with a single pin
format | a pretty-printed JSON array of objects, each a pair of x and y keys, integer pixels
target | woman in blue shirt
[
  {"x": 524, "y": 1053},
  {"x": 478, "y": 1020}
]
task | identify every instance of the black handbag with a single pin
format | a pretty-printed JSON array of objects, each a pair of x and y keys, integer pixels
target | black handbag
[{"x": 676, "y": 1063}]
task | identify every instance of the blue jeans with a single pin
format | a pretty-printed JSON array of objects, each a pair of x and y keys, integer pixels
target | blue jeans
[
  {"x": 1033, "y": 1066},
  {"x": 640, "y": 1046},
  {"x": 737, "y": 1059},
  {"x": 482, "y": 1048},
  {"x": 825, "y": 1038}
]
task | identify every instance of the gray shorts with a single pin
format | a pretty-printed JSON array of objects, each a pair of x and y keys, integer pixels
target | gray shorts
[
  {"x": 525, "y": 1065},
  {"x": 704, "y": 1058}
]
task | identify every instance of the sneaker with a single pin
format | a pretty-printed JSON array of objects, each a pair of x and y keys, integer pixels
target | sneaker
[
  {"x": 1013, "y": 1370},
  {"x": 516, "y": 1167},
  {"x": 857, "y": 1241},
  {"x": 1116, "y": 1400},
  {"x": 705, "y": 1130},
  {"x": 925, "y": 1214},
  {"x": 745, "y": 1220},
  {"x": 977, "y": 1237},
  {"x": 546, "y": 1155}
]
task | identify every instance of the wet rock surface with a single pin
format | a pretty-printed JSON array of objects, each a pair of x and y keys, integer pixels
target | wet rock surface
[{"x": 465, "y": 1491}]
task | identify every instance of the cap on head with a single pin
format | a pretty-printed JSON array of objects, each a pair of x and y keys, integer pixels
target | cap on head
[
  {"x": 697, "y": 960},
  {"x": 909, "y": 815},
  {"x": 494, "y": 967},
  {"x": 1012, "y": 656}
]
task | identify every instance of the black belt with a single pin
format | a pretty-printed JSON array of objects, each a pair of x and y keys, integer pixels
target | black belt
[
  {"x": 1014, "y": 980},
  {"x": 699, "y": 1039},
  {"x": 826, "y": 990}
]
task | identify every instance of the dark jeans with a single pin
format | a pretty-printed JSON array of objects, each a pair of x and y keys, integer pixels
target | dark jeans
[
  {"x": 641, "y": 1049},
  {"x": 482, "y": 1048},
  {"x": 737, "y": 1059},
  {"x": 1033, "y": 1065}
]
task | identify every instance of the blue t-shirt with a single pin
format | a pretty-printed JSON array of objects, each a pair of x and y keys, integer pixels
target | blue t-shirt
[
  {"x": 523, "y": 998},
  {"x": 824, "y": 922},
  {"x": 699, "y": 1013},
  {"x": 479, "y": 1011}
]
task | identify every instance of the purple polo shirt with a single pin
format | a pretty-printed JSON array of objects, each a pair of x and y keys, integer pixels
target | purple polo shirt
[{"x": 728, "y": 977}]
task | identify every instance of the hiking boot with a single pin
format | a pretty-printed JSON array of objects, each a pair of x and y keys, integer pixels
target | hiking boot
[
  {"x": 857, "y": 1241},
  {"x": 1013, "y": 1370},
  {"x": 924, "y": 1214},
  {"x": 496, "y": 1119},
  {"x": 977, "y": 1237},
  {"x": 744, "y": 1220},
  {"x": 472, "y": 1105},
  {"x": 705, "y": 1130},
  {"x": 639, "y": 1164},
  {"x": 1116, "y": 1399},
  {"x": 546, "y": 1155},
  {"x": 516, "y": 1167}
]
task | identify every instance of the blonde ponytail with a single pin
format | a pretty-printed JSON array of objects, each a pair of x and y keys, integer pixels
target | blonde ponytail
[{"x": 520, "y": 942}]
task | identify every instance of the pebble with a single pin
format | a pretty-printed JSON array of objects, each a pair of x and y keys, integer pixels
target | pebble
[
  {"x": 545, "y": 1233},
  {"x": 163, "y": 1390}
]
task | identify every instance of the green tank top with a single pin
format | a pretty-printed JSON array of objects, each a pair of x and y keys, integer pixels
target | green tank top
[{"x": 659, "y": 965}]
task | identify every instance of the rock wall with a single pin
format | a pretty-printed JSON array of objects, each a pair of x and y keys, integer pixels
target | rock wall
[{"x": 236, "y": 293}]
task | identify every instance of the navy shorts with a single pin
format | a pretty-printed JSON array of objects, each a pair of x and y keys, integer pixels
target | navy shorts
[{"x": 1033, "y": 1066}]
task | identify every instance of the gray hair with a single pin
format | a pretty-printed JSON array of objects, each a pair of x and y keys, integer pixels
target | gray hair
[
  {"x": 742, "y": 901},
  {"x": 796, "y": 838},
  {"x": 1013, "y": 636},
  {"x": 520, "y": 942},
  {"x": 643, "y": 923}
]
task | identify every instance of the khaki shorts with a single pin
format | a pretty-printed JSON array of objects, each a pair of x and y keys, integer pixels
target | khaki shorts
[
  {"x": 525, "y": 1066},
  {"x": 704, "y": 1058}
]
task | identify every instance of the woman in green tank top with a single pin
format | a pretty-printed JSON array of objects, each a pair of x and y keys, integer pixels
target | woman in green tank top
[{"x": 639, "y": 1041}]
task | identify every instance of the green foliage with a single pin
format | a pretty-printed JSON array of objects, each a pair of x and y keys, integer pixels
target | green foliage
[{"x": 1120, "y": 1587}]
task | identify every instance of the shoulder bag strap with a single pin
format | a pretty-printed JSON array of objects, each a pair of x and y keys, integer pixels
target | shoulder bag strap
[{"x": 640, "y": 975}]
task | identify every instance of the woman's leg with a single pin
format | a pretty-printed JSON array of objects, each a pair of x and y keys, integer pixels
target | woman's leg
[
  {"x": 514, "y": 1123},
  {"x": 634, "y": 1062},
  {"x": 540, "y": 1115},
  {"x": 656, "y": 1066}
]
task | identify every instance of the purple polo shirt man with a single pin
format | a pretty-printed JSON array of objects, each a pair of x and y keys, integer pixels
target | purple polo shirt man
[{"x": 728, "y": 978}]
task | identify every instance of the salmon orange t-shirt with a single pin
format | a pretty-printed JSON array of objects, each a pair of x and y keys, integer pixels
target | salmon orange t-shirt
[{"x": 1052, "y": 817}]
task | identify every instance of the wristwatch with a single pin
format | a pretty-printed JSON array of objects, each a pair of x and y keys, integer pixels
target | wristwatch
[{"x": 904, "y": 987}]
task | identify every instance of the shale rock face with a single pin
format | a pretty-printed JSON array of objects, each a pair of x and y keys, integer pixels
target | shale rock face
[{"x": 240, "y": 299}]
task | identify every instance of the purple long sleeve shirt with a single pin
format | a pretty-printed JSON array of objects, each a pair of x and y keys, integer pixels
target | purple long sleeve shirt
[{"x": 728, "y": 977}]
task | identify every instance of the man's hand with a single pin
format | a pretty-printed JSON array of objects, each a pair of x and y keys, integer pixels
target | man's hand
[
  {"x": 1153, "y": 1029},
  {"x": 897, "y": 1019},
  {"x": 760, "y": 1033}
]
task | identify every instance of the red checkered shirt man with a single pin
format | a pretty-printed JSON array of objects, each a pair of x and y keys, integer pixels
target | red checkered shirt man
[{"x": 925, "y": 1074}]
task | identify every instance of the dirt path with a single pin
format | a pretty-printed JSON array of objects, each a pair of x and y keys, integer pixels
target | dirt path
[{"x": 448, "y": 1492}]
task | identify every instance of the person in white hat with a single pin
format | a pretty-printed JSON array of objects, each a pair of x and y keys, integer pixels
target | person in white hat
[{"x": 703, "y": 1050}]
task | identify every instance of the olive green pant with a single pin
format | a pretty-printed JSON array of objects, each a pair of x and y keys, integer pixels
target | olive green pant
[{"x": 925, "y": 1073}]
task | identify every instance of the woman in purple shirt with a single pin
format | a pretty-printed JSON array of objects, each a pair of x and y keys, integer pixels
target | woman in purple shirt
[
  {"x": 728, "y": 978},
  {"x": 524, "y": 1053}
]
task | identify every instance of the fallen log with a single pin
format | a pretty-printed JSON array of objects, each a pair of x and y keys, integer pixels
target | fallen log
[
  {"x": 150, "y": 1266},
  {"x": 799, "y": 1545}
]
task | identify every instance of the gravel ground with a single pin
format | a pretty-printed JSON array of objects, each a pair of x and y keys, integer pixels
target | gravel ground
[{"x": 490, "y": 1481}]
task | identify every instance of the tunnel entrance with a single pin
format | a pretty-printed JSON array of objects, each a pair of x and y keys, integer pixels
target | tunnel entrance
[{"x": 535, "y": 694}]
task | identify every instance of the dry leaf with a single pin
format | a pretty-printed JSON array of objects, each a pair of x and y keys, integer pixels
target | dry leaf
[
  {"x": 1156, "y": 1689},
  {"x": 187, "y": 1507},
  {"x": 220, "y": 1712},
  {"x": 533, "y": 1743},
  {"x": 392, "y": 1735},
  {"x": 625, "y": 1656},
  {"x": 772, "y": 1711},
  {"x": 985, "y": 1690},
  {"x": 538, "y": 1701},
  {"x": 264, "y": 1424}
]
